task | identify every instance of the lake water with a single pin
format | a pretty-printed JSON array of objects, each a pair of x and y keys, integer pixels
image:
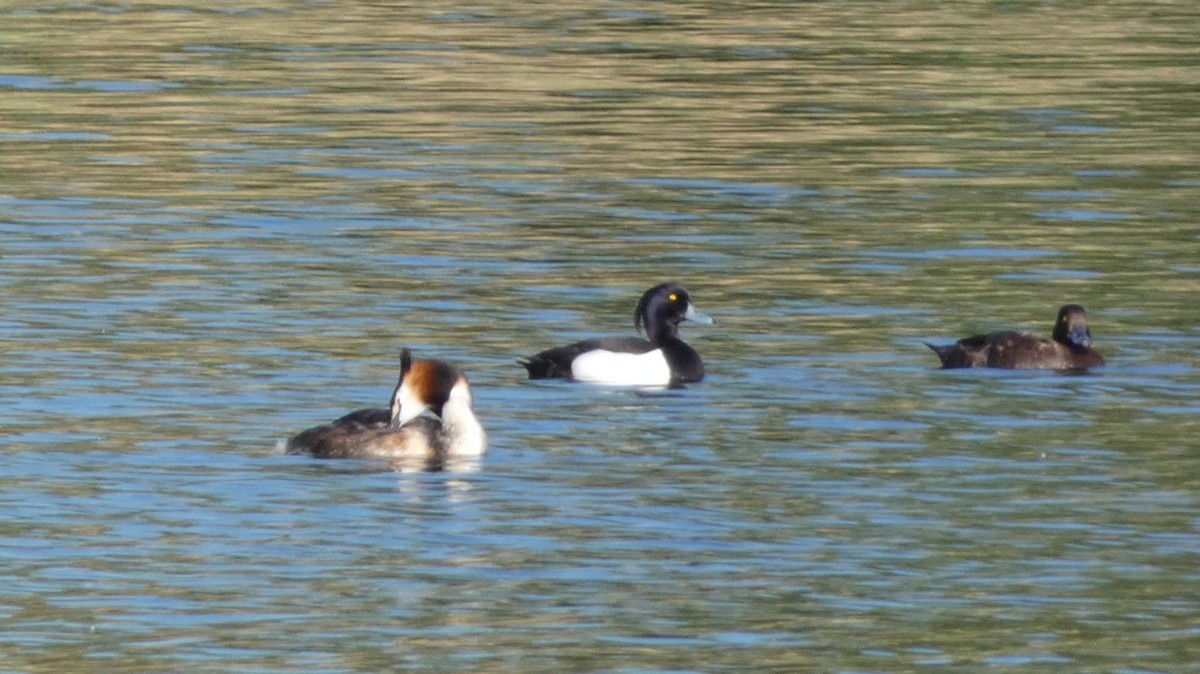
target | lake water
[{"x": 222, "y": 221}]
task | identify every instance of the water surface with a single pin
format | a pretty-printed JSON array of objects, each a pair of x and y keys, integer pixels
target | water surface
[{"x": 222, "y": 223}]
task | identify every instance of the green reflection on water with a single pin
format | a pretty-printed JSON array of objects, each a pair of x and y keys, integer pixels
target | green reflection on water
[{"x": 223, "y": 221}]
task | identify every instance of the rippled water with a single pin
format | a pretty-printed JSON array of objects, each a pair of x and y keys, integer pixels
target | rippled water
[{"x": 221, "y": 224}]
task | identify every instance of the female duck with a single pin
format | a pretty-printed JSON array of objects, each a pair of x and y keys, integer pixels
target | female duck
[
  {"x": 662, "y": 360},
  {"x": 431, "y": 420},
  {"x": 1069, "y": 347}
]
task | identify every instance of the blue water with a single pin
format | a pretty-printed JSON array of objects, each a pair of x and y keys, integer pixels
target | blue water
[{"x": 224, "y": 231}]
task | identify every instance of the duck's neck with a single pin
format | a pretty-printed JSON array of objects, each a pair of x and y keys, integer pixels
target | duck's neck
[
  {"x": 462, "y": 434},
  {"x": 684, "y": 361},
  {"x": 661, "y": 332}
]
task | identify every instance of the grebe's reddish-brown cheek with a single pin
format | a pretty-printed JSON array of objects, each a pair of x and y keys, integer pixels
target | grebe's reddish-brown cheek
[
  {"x": 407, "y": 405},
  {"x": 427, "y": 386}
]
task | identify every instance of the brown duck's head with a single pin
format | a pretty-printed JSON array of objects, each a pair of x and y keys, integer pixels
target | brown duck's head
[{"x": 1071, "y": 327}]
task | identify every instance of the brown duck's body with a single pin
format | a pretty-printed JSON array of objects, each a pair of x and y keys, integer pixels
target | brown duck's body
[
  {"x": 1016, "y": 351},
  {"x": 1068, "y": 348},
  {"x": 431, "y": 420}
]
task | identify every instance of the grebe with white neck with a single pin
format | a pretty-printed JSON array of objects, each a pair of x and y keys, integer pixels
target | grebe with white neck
[{"x": 431, "y": 420}]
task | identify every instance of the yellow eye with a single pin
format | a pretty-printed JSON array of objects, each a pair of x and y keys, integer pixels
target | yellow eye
[{"x": 672, "y": 297}]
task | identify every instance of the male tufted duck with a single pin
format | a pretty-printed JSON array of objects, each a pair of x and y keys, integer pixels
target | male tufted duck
[{"x": 662, "y": 360}]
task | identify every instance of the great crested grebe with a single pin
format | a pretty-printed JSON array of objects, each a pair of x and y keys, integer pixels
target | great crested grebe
[{"x": 431, "y": 419}]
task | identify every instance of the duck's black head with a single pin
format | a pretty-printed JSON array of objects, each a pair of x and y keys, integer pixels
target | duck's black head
[
  {"x": 661, "y": 310},
  {"x": 1071, "y": 327}
]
